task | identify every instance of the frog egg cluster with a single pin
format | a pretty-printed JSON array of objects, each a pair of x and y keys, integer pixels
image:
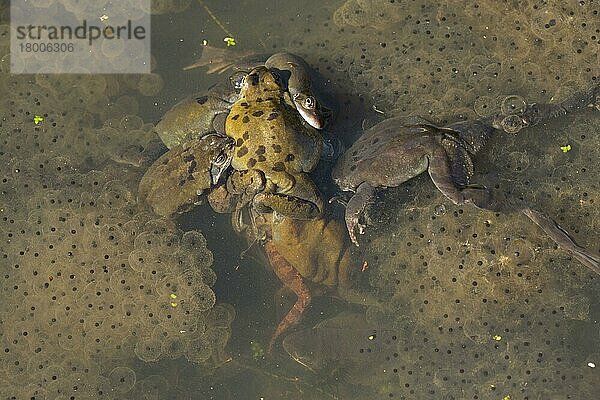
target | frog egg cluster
[
  {"x": 109, "y": 53},
  {"x": 92, "y": 281},
  {"x": 357, "y": 13},
  {"x": 150, "y": 84},
  {"x": 561, "y": 183},
  {"x": 456, "y": 58},
  {"x": 52, "y": 8},
  {"x": 75, "y": 129},
  {"x": 482, "y": 305},
  {"x": 494, "y": 308}
]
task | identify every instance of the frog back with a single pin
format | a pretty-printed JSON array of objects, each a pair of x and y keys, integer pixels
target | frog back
[
  {"x": 191, "y": 118},
  {"x": 386, "y": 155},
  {"x": 269, "y": 134}
]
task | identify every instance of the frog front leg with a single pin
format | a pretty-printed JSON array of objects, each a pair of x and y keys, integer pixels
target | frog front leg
[
  {"x": 292, "y": 279},
  {"x": 247, "y": 184},
  {"x": 365, "y": 195},
  {"x": 300, "y": 200},
  {"x": 237, "y": 191},
  {"x": 481, "y": 197},
  {"x": 221, "y": 200}
]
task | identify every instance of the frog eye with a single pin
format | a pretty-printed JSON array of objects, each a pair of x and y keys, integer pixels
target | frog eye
[
  {"x": 221, "y": 158},
  {"x": 309, "y": 102}
]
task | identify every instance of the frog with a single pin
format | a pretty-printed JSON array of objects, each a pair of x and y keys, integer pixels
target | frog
[
  {"x": 270, "y": 138},
  {"x": 206, "y": 111},
  {"x": 293, "y": 247},
  {"x": 300, "y": 86},
  {"x": 308, "y": 256},
  {"x": 192, "y": 119},
  {"x": 199, "y": 114},
  {"x": 315, "y": 251},
  {"x": 398, "y": 149},
  {"x": 297, "y": 75},
  {"x": 178, "y": 179},
  {"x": 302, "y": 253}
]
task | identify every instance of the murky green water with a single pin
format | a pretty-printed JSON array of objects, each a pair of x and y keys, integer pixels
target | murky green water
[{"x": 469, "y": 304}]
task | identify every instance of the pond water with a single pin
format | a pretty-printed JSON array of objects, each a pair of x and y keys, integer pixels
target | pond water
[{"x": 103, "y": 298}]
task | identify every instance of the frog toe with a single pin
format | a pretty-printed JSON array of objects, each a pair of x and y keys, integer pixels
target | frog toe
[
  {"x": 365, "y": 194},
  {"x": 352, "y": 224}
]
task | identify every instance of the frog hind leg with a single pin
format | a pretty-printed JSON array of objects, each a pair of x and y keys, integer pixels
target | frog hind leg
[
  {"x": 292, "y": 279},
  {"x": 221, "y": 200},
  {"x": 459, "y": 160},
  {"x": 246, "y": 183},
  {"x": 300, "y": 201},
  {"x": 440, "y": 172},
  {"x": 535, "y": 114},
  {"x": 563, "y": 239},
  {"x": 447, "y": 176},
  {"x": 497, "y": 202}
]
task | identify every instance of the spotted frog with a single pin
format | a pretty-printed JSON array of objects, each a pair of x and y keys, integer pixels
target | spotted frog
[
  {"x": 398, "y": 149},
  {"x": 179, "y": 177},
  {"x": 271, "y": 139},
  {"x": 297, "y": 77}
]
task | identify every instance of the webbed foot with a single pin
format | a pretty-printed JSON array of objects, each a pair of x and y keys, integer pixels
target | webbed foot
[
  {"x": 481, "y": 197},
  {"x": 218, "y": 60},
  {"x": 221, "y": 200},
  {"x": 498, "y": 202},
  {"x": 365, "y": 194}
]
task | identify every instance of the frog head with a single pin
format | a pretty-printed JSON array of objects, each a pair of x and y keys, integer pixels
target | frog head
[
  {"x": 220, "y": 154},
  {"x": 261, "y": 82}
]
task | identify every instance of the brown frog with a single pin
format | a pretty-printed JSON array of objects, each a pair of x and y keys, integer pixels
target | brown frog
[
  {"x": 300, "y": 86},
  {"x": 180, "y": 176},
  {"x": 399, "y": 149},
  {"x": 271, "y": 139},
  {"x": 294, "y": 247},
  {"x": 297, "y": 75},
  {"x": 200, "y": 114},
  {"x": 314, "y": 251},
  {"x": 299, "y": 251}
]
